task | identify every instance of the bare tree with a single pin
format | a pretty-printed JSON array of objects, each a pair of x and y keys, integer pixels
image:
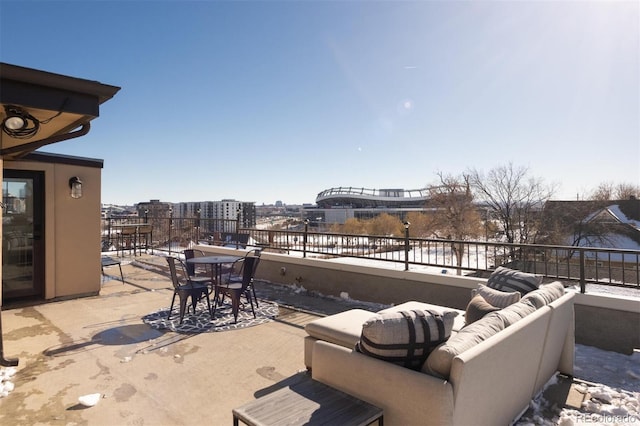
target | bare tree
[
  {"x": 603, "y": 192},
  {"x": 456, "y": 216},
  {"x": 626, "y": 191},
  {"x": 515, "y": 199},
  {"x": 422, "y": 224},
  {"x": 608, "y": 191}
]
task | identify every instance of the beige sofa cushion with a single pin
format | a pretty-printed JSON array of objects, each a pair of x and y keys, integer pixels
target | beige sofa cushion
[
  {"x": 545, "y": 294},
  {"x": 497, "y": 298},
  {"x": 514, "y": 313},
  {"x": 342, "y": 329},
  {"x": 439, "y": 361},
  {"x": 405, "y": 338}
]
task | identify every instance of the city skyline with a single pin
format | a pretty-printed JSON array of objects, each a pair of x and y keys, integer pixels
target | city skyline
[{"x": 275, "y": 100}]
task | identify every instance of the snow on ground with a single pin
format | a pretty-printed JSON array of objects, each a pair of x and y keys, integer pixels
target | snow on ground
[
  {"x": 612, "y": 383},
  {"x": 632, "y": 293},
  {"x": 6, "y": 385},
  {"x": 609, "y": 368}
]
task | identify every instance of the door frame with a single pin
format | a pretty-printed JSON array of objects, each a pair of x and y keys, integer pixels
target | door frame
[{"x": 37, "y": 290}]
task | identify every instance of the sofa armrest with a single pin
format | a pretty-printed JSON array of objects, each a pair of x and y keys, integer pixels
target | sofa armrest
[
  {"x": 559, "y": 344},
  {"x": 406, "y": 396},
  {"x": 494, "y": 381}
]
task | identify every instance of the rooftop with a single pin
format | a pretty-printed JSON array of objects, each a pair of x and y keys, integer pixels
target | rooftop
[{"x": 105, "y": 344}]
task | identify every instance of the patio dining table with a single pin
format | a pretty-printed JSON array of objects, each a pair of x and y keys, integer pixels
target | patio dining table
[{"x": 216, "y": 263}]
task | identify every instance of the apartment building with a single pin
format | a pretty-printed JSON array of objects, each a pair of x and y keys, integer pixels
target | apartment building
[{"x": 224, "y": 209}]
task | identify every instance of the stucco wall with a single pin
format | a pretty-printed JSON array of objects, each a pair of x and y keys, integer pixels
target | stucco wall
[
  {"x": 1, "y": 231},
  {"x": 72, "y": 228},
  {"x": 608, "y": 322}
]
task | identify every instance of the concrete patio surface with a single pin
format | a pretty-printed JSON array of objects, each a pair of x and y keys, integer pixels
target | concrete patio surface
[{"x": 100, "y": 344}]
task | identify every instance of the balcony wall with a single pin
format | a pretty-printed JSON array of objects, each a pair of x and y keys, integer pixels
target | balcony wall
[
  {"x": 608, "y": 322},
  {"x": 72, "y": 226},
  {"x": 604, "y": 321}
]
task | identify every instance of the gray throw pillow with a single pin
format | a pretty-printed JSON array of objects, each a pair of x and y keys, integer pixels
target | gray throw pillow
[
  {"x": 477, "y": 308},
  {"x": 505, "y": 279},
  {"x": 497, "y": 298}
]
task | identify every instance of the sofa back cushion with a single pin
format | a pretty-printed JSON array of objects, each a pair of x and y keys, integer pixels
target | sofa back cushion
[
  {"x": 407, "y": 337},
  {"x": 545, "y": 294},
  {"x": 514, "y": 313},
  {"x": 505, "y": 279},
  {"x": 439, "y": 361}
]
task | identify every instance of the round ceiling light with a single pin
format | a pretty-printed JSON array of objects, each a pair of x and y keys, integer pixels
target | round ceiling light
[
  {"x": 19, "y": 124},
  {"x": 15, "y": 123}
]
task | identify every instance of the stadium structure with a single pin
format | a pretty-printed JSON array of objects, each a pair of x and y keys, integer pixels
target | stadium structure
[{"x": 336, "y": 205}]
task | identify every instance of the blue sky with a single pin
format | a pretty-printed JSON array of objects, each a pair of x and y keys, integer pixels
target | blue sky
[{"x": 265, "y": 101}]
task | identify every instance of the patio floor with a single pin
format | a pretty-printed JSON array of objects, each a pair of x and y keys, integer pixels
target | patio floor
[{"x": 100, "y": 344}]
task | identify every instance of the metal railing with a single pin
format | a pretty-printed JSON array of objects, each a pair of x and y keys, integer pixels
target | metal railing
[
  {"x": 613, "y": 267},
  {"x": 170, "y": 233}
]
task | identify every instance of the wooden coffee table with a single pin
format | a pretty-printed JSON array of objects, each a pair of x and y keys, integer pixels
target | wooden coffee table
[{"x": 307, "y": 403}]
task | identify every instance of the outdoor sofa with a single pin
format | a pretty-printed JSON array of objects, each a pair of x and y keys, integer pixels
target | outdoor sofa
[{"x": 485, "y": 373}]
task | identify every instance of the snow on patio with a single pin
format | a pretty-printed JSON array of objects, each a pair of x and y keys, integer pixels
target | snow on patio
[{"x": 611, "y": 383}]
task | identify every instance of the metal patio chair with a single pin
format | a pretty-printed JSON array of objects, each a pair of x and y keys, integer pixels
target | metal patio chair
[
  {"x": 236, "y": 276},
  {"x": 186, "y": 289},
  {"x": 236, "y": 287},
  {"x": 191, "y": 269}
]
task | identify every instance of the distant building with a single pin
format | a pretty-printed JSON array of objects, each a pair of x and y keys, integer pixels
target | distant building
[
  {"x": 336, "y": 205},
  {"x": 605, "y": 224},
  {"x": 110, "y": 211},
  {"x": 243, "y": 211},
  {"x": 153, "y": 208}
]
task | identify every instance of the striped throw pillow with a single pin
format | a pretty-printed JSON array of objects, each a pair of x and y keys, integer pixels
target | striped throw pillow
[
  {"x": 405, "y": 338},
  {"x": 505, "y": 279}
]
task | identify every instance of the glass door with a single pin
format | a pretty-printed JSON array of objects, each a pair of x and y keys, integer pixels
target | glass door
[{"x": 22, "y": 234}]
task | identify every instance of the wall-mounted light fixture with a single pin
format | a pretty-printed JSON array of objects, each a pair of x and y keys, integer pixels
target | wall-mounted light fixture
[
  {"x": 75, "y": 185},
  {"x": 18, "y": 123}
]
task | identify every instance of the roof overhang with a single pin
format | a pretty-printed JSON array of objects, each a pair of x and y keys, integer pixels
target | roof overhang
[{"x": 63, "y": 105}]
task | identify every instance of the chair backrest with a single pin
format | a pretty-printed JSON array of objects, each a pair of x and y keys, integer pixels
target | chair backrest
[
  {"x": 244, "y": 269},
  {"x": 174, "y": 270},
  {"x": 255, "y": 255},
  {"x": 190, "y": 254},
  {"x": 248, "y": 269},
  {"x": 251, "y": 261}
]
